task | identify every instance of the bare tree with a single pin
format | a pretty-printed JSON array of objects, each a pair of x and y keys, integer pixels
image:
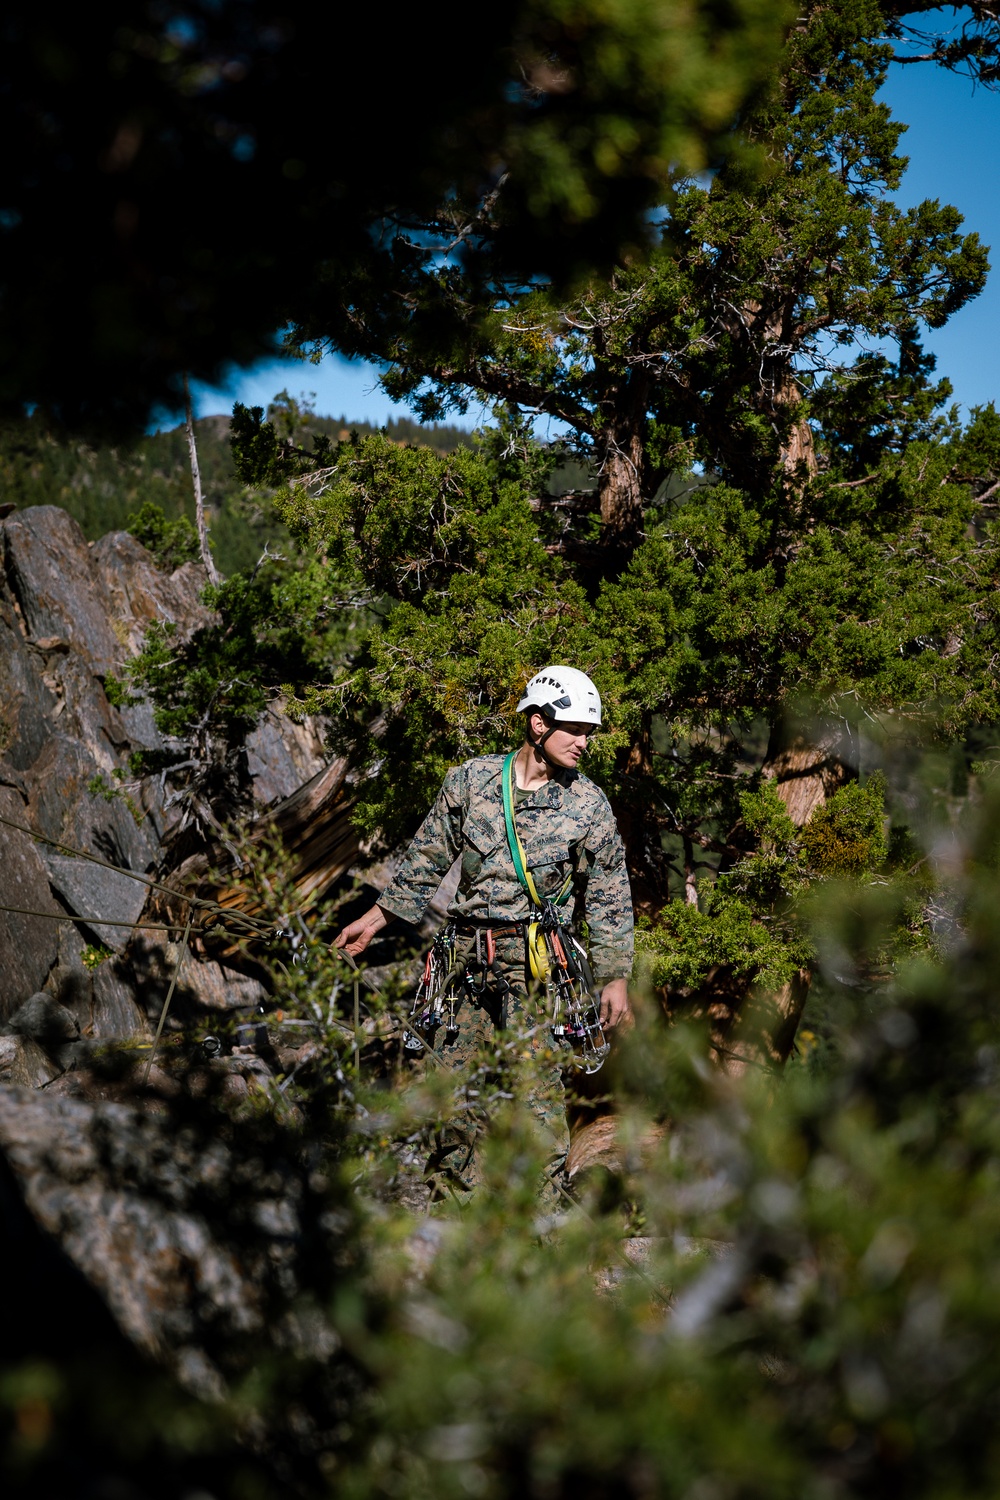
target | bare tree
[{"x": 199, "y": 499}]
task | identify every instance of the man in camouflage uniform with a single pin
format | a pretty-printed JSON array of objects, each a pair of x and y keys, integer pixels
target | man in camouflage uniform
[{"x": 568, "y": 831}]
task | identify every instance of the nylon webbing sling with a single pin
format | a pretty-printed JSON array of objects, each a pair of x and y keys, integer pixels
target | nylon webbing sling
[
  {"x": 517, "y": 853},
  {"x": 538, "y": 957}
]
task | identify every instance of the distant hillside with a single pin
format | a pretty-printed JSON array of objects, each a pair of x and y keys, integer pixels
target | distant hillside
[{"x": 102, "y": 486}]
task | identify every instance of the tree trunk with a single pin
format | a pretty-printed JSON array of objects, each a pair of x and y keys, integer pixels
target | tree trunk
[
  {"x": 621, "y": 488},
  {"x": 805, "y": 771},
  {"x": 798, "y": 448},
  {"x": 640, "y": 834},
  {"x": 622, "y": 456},
  {"x": 761, "y": 1031}
]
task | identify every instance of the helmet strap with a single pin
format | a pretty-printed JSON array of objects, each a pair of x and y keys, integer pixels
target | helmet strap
[{"x": 539, "y": 745}]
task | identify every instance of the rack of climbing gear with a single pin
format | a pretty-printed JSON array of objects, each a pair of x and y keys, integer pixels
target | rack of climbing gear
[
  {"x": 559, "y": 961},
  {"x": 437, "y": 994}
]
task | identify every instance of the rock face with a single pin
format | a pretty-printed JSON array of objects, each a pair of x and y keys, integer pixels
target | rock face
[
  {"x": 148, "y": 1201},
  {"x": 29, "y": 933},
  {"x": 71, "y": 615},
  {"x": 194, "y": 1248}
]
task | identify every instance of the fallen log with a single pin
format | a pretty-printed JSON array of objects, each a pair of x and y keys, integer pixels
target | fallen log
[{"x": 312, "y": 829}]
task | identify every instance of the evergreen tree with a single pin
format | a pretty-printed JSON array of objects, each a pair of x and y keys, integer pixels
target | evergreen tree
[{"x": 785, "y": 535}]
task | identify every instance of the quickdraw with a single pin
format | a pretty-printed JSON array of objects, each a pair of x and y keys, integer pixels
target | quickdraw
[
  {"x": 560, "y": 962},
  {"x": 444, "y": 984},
  {"x": 436, "y": 995}
]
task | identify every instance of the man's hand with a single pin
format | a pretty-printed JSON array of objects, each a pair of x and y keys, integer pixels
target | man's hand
[
  {"x": 615, "y": 1009},
  {"x": 356, "y": 936}
]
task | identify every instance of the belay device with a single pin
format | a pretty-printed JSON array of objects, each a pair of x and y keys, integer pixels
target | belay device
[{"x": 555, "y": 957}]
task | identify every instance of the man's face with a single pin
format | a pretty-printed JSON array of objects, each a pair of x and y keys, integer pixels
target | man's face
[{"x": 566, "y": 743}]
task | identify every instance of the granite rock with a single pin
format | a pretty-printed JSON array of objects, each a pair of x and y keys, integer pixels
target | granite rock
[
  {"x": 23, "y": 1063},
  {"x": 191, "y": 1245}
]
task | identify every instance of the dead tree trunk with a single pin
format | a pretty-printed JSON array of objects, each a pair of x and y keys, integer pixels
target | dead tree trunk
[
  {"x": 199, "y": 499},
  {"x": 313, "y": 828}
]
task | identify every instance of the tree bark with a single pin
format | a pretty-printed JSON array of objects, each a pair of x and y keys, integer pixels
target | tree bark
[
  {"x": 621, "y": 486},
  {"x": 798, "y": 448},
  {"x": 805, "y": 771},
  {"x": 639, "y": 833},
  {"x": 760, "y": 1032},
  {"x": 621, "y": 452}
]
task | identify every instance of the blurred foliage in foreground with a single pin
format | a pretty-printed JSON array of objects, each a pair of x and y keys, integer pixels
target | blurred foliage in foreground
[{"x": 818, "y": 1312}]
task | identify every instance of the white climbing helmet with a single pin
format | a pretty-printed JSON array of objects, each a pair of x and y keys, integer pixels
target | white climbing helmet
[{"x": 564, "y": 695}]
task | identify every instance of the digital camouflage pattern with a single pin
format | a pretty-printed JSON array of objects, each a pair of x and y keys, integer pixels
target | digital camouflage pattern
[
  {"x": 454, "y": 1165},
  {"x": 566, "y": 826}
]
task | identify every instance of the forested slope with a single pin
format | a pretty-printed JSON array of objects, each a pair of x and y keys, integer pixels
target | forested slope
[{"x": 102, "y": 484}]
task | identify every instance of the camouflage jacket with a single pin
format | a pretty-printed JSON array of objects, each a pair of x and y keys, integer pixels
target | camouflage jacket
[{"x": 566, "y": 827}]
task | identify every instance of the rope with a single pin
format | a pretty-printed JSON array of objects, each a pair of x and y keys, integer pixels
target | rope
[
  {"x": 25, "y": 911},
  {"x": 166, "y": 1003},
  {"x": 153, "y": 885}
]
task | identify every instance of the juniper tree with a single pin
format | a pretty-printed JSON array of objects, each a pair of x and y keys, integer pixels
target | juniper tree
[{"x": 780, "y": 526}]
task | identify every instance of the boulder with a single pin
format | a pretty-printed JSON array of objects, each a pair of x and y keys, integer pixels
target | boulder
[
  {"x": 282, "y": 756},
  {"x": 23, "y": 1064},
  {"x": 192, "y": 1245},
  {"x": 111, "y": 822},
  {"x": 203, "y": 985},
  {"x": 42, "y": 1021},
  {"x": 114, "y": 1009},
  {"x": 97, "y": 896}
]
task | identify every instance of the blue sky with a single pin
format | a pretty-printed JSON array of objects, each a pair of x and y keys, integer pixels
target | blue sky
[{"x": 952, "y": 142}]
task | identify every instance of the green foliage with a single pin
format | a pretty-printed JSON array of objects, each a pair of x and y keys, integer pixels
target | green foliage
[
  {"x": 846, "y": 835},
  {"x": 274, "y": 626},
  {"x": 470, "y": 600},
  {"x": 171, "y": 542},
  {"x": 92, "y": 957}
]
